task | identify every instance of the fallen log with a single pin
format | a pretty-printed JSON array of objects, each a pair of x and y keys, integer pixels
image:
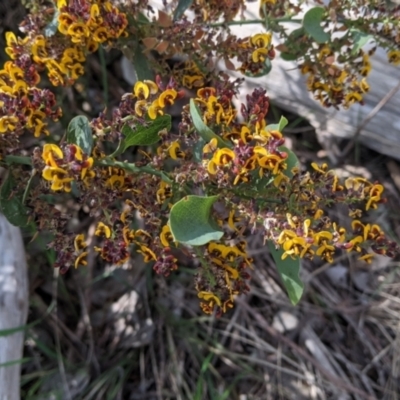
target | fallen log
[
  {"x": 376, "y": 124},
  {"x": 13, "y": 308}
]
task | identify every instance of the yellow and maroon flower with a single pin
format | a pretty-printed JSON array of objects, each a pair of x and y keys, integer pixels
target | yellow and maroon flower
[
  {"x": 223, "y": 156},
  {"x": 8, "y": 124},
  {"x": 167, "y": 97},
  {"x": 79, "y": 242},
  {"x": 166, "y": 236},
  {"x": 81, "y": 259},
  {"x": 59, "y": 178},
  {"x": 103, "y": 230},
  {"x": 148, "y": 254},
  {"x": 394, "y": 57}
]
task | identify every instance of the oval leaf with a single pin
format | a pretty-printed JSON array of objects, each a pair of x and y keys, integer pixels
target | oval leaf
[
  {"x": 296, "y": 34},
  {"x": 198, "y": 150},
  {"x": 289, "y": 56},
  {"x": 79, "y": 132},
  {"x": 190, "y": 221},
  {"x": 204, "y": 131},
  {"x": 279, "y": 126},
  {"x": 145, "y": 135},
  {"x": 290, "y": 50},
  {"x": 360, "y": 39},
  {"x": 289, "y": 270},
  {"x": 141, "y": 65},
  {"x": 312, "y": 24},
  {"x": 11, "y": 204}
]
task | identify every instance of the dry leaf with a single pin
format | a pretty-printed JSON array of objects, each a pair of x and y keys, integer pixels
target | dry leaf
[
  {"x": 164, "y": 20},
  {"x": 150, "y": 42},
  {"x": 162, "y": 46},
  {"x": 229, "y": 64}
]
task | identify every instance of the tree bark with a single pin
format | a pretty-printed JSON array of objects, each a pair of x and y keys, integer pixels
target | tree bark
[{"x": 13, "y": 307}]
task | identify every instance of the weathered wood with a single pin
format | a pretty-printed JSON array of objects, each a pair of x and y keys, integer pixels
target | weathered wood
[
  {"x": 286, "y": 87},
  {"x": 13, "y": 306}
]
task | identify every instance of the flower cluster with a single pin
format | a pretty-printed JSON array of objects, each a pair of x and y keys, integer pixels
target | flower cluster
[
  {"x": 244, "y": 160},
  {"x": 254, "y": 53},
  {"x": 340, "y": 85},
  {"x": 82, "y": 25},
  {"x": 63, "y": 167},
  {"x": 22, "y": 104},
  {"x": 217, "y": 151},
  {"x": 337, "y": 66}
]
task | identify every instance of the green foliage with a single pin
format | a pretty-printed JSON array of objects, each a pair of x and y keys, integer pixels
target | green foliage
[
  {"x": 141, "y": 65},
  {"x": 190, "y": 221},
  {"x": 312, "y": 24},
  {"x": 204, "y": 131},
  {"x": 360, "y": 39},
  {"x": 79, "y": 132},
  {"x": 145, "y": 135},
  {"x": 292, "y": 161},
  {"x": 279, "y": 126},
  {"x": 290, "y": 42},
  {"x": 11, "y": 204},
  {"x": 289, "y": 270}
]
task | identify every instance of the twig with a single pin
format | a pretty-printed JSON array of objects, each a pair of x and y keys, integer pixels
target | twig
[
  {"x": 275, "y": 334},
  {"x": 60, "y": 361}
]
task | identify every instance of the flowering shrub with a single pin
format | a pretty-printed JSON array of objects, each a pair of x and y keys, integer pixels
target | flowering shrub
[{"x": 223, "y": 174}]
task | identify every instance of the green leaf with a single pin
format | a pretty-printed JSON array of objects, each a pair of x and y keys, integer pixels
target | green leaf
[
  {"x": 190, "y": 221},
  {"x": 360, "y": 39},
  {"x": 296, "y": 34},
  {"x": 11, "y": 204},
  {"x": 312, "y": 24},
  {"x": 204, "y": 131},
  {"x": 291, "y": 44},
  {"x": 198, "y": 150},
  {"x": 14, "y": 362},
  {"x": 145, "y": 135},
  {"x": 289, "y": 270},
  {"x": 18, "y": 160},
  {"x": 143, "y": 19},
  {"x": 280, "y": 126},
  {"x": 141, "y": 65},
  {"x": 262, "y": 183},
  {"x": 292, "y": 161},
  {"x": 289, "y": 56},
  {"x": 182, "y": 6},
  {"x": 79, "y": 132}
]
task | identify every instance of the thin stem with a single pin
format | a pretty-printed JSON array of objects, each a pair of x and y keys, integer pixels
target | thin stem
[
  {"x": 255, "y": 21},
  {"x": 104, "y": 74},
  {"x": 125, "y": 119},
  {"x": 28, "y": 186},
  {"x": 18, "y": 160},
  {"x": 133, "y": 168}
]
